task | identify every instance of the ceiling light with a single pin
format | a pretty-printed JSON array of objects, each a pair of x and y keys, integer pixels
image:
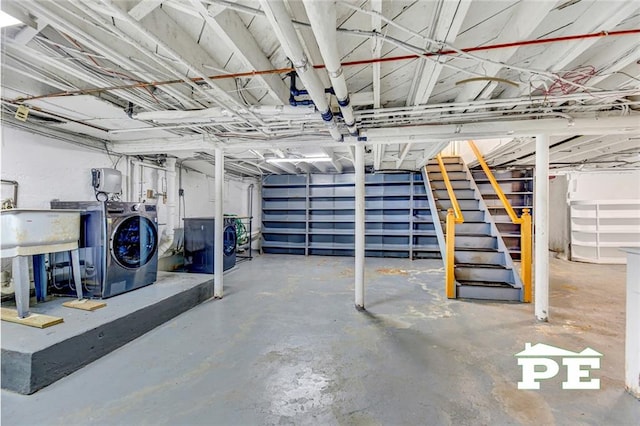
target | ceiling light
[
  {"x": 7, "y": 20},
  {"x": 299, "y": 160}
]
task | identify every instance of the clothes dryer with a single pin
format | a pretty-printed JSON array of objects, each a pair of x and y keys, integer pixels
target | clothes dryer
[
  {"x": 132, "y": 259},
  {"x": 199, "y": 244}
]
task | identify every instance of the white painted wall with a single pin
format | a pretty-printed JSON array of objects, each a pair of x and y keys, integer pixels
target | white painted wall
[
  {"x": 462, "y": 148},
  {"x": 604, "y": 185},
  {"x": 559, "y": 216},
  {"x": 47, "y": 169}
]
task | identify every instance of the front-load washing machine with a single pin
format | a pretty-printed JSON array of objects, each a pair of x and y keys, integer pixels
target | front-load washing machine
[
  {"x": 132, "y": 258},
  {"x": 199, "y": 246}
]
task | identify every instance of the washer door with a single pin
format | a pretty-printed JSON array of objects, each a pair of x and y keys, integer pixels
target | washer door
[
  {"x": 134, "y": 242},
  {"x": 229, "y": 240}
]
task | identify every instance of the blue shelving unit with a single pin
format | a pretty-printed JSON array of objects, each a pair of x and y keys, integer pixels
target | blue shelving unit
[{"x": 314, "y": 215}]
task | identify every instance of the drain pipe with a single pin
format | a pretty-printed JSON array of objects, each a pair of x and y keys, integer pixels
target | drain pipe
[
  {"x": 322, "y": 17},
  {"x": 168, "y": 235},
  {"x": 280, "y": 20}
]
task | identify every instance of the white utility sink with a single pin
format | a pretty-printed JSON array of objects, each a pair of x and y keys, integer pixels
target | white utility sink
[{"x": 27, "y": 232}]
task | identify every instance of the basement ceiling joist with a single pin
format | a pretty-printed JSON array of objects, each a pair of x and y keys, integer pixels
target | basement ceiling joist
[{"x": 451, "y": 64}]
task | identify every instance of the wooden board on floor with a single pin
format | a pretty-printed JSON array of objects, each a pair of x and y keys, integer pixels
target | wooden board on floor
[
  {"x": 85, "y": 304},
  {"x": 33, "y": 320}
]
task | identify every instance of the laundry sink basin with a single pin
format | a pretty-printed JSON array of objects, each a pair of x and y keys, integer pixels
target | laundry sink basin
[{"x": 32, "y": 231}]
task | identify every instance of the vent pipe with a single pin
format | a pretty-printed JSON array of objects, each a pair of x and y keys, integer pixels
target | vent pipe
[
  {"x": 280, "y": 20},
  {"x": 322, "y": 17}
]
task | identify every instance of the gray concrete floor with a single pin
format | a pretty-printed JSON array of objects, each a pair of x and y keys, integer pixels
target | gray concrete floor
[{"x": 286, "y": 346}]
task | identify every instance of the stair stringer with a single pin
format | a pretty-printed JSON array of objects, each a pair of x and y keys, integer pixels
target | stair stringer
[{"x": 437, "y": 224}]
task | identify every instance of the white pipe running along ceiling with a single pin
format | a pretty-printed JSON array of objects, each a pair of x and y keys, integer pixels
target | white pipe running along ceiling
[
  {"x": 286, "y": 33},
  {"x": 207, "y": 73},
  {"x": 322, "y": 16}
]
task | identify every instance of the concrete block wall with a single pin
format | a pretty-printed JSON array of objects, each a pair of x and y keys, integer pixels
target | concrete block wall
[{"x": 47, "y": 168}]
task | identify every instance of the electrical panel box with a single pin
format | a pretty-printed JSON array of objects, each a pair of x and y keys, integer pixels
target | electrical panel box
[{"x": 107, "y": 180}]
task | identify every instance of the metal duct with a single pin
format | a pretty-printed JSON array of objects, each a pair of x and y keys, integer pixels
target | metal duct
[
  {"x": 283, "y": 27},
  {"x": 322, "y": 17}
]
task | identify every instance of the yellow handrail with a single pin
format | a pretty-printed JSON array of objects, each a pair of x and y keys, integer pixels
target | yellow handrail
[
  {"x": 524, "y": 221},
  {"x": 494, "y": 183},
  {"x": 454, "y": 215},
  {"x": 452, "y": 195}
]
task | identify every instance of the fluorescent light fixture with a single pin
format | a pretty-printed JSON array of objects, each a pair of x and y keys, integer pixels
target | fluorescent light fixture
[
  {"x": 7, "y": 20},
  {"x": 298, "y": 160}
]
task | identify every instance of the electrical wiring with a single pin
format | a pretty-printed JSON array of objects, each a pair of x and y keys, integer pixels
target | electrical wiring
[
  {"x": 462, "y": 52},
  {"x": 98, "y": 68}
]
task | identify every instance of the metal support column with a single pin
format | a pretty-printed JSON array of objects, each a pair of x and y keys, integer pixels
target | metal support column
[
  {"x": 359, "y": 226},
  {"x": 541, "y": 220},
  {"x": 218, "y": 238},
  {"x": 632, "y": 339}
]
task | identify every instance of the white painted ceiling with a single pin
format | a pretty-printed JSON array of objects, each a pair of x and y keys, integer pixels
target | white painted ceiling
[{"x": 419, "y": 73}]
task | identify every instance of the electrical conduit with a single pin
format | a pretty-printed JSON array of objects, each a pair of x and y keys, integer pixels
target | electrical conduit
[
  {"x": 322, "y": 17},
  {"x": 285, "y": 32}
]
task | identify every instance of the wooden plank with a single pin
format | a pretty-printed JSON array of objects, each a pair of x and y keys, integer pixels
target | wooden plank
[
  {"x": 33, "y": 320},
  {"x": 85, "y": 304}
]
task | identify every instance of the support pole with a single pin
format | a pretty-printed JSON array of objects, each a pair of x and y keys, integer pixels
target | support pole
[
  {"x": 218, "y": 245},
  {"x": 541, "y": 216},
  {"x": 632, "y": 340},
  {"x": 359, "y": 226}
]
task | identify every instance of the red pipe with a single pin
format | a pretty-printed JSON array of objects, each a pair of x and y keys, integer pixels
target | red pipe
[
  {"x": 344, "y": 64},
  {"x": 492, "y": 47}
]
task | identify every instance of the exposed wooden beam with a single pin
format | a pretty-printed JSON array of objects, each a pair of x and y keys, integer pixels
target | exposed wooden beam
[
  {"x": 26, "y": 34},
  {"x": 305, "y": 167},
  {"x": 278, "y": 152},
  {"x": 604, "y": 21},
  {"x": 611, "y": 65},
  {"x": 78, "y": 77},
  {"x": 378, "y": 156},
  {"x": 560, "y": 55},
  {"x": 445, "y": 28},
  {"x": 605, "y": 146},
  {"x": 288, "y": 168},
  {"x": 232, "y": 31},
  {"x": 100, "y": 40},
  {"x": 178, "y": 41},
  {"x": 143, "y": 8},
  {"x": 334, "y": 161},
  {"x": 431, "y": 151},
  {"x": 403, "y": 154},
  {"x": 524, "y": 19}
]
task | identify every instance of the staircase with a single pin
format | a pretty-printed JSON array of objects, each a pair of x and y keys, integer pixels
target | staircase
[{"x": 484, "y": 268}]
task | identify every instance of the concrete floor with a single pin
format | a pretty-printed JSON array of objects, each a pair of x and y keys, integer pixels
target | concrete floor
[{"x": 286, "y": 346}]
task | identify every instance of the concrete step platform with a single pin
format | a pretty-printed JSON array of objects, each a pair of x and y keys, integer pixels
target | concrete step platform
[
  {"x": 33, "y": 358},
  {"x": 488, "y": 291}
]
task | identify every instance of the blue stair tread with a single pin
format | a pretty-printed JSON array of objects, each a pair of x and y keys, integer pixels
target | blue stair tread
[
  {"x": 484, "y": 284},
  {"x": 482, "y": 249},
  {"x": 482, "y": 265}
]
